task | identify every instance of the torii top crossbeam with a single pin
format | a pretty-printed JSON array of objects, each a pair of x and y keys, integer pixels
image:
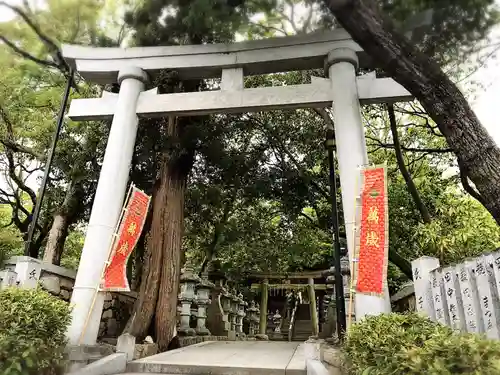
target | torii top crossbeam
[
  {"x": 132, "y": 67},
  {"x": 101, "y": 65}
]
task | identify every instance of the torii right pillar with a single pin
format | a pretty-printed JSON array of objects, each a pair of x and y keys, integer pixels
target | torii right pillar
[{"x": 341, "y": 66}]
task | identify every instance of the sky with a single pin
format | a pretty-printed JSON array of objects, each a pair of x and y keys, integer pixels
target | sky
[{"x": 485, "y": 101}]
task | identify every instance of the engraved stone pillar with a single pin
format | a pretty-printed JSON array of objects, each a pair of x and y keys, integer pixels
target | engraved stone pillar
[
  {"x": 203, "y": 290},
  {"x": 470, "y": 298},
  {"x": 492, "y": 260},
  {"x": 438, "y": 294},
  {"x": 454, "y": 299},
  {"x": 421, "y": 268},
  {"x": 7, "y": 279},
  {"x": 186, "y": 297},
  {"x": 487, "y": 298}
]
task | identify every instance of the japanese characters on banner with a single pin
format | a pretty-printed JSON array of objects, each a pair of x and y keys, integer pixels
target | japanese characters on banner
[
  {"x": 115, "y": 274},
  {"x": 372, "y": 244}
]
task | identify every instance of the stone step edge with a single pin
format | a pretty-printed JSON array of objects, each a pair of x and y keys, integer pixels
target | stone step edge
[{"x": 185, "y": 369}]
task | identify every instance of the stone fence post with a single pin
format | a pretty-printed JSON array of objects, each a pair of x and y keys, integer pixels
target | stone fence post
[{"x": 464, "y": 296}]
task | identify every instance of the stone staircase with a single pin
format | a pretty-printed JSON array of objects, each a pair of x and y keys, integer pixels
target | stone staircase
[
  {"x": 303, "y": 325},
  {"x": 226, "y": 358}
]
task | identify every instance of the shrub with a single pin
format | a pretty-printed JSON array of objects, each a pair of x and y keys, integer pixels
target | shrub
[
  {"x": 411, "y": 344},
  {"x": 32, "y": 332}
]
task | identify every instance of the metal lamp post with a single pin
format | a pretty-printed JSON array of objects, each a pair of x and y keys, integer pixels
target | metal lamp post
[
  {"x": 48, "y": 165},
  {"x": 339, "y": 287}
]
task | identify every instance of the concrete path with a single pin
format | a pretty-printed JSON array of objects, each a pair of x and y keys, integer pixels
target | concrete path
[{"x": 227, "y": 358}]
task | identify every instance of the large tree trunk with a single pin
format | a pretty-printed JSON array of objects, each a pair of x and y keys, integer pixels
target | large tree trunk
[
  {"x": 160, "y": 278},
  {"x": 442, "y": 100},
  {"x": 57, "y": 238},
  {"x": 60, "y": 226}
]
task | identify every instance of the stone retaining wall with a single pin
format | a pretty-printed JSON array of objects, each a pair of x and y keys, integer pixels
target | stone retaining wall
[{"x": 59, "y": 281}]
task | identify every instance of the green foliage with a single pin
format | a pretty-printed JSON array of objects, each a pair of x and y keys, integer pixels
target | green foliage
[
  {"x": 11, "y": 242},
  {"x": 73, "y": 249},
  {"x": 411, "y": 344},
  {"x": 462, "y": 228},
  {"x": 32, "y": 332}
]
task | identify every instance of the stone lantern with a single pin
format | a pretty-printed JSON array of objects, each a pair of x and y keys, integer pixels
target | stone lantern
[
  {"x": 277, "y": 325},
  {"x": 188, "y": 282},
  {"x": 240, "y": 315},
  {"x": 226, "y": 298},
  {"x": 253, "y": 319},
  {"x": 233, "y": 312},
  {"x": 203, "y": 290}
]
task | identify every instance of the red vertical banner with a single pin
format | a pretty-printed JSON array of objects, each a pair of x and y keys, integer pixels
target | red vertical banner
[
  {"x": 372, "y": 245},
  {"x": 135, "y": 212}
]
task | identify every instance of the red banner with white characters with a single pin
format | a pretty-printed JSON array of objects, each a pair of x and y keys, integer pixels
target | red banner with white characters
[
  {"x": 132, "y": 223},
  {"x": 373, "y": 240}
]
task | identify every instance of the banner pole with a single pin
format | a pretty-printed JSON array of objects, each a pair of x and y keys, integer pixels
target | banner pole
[
  {"x": 110, "y": 250},
  {"x": 354, "y": 254}
]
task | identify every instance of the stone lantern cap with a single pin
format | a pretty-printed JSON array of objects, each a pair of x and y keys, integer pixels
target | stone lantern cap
[
  {"x": 252, "y": 307},
  {"x": 188, "y": 274},
  {"x": 234, "y": 296},
  {"x": 204, "y": 283}
]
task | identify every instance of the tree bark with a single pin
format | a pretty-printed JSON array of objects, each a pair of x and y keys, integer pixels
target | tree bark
[
  {"x": 412, "y": 189},
  {"x": 57, "y": 237},
  {"x": 160, "y": 279},
  {"x": 60, "y": 226},
  {"x": 439, "y": 96}
]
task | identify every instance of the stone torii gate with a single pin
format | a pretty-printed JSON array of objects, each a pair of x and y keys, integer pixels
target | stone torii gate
[{"x": 132, "y": 67}]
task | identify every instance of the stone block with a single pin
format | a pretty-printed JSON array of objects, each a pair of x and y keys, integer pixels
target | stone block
[
  {"x": 107, "y": 314},
  {"x": 66, "y": 283},
  {"x": 145, "y": 350},
  {"x": 65, "y": 295},
  {"x": 51, "y": 284},
  {"x": 315, "y": 367},
  {"x": 111, "y": 364},
  {"x": 126, "y": 344},
  {"x": 261, "y": 337},
  {"x": 112, "y": 327}
]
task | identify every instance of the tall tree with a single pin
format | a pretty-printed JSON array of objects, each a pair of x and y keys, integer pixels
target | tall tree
[
  {"x": 416, "y": 69},
  {"x": 30, "y": 97},
  {"x": 186, "y": 22}
]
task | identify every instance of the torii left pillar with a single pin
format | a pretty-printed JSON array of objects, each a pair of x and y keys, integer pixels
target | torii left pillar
[{"x": 111, "y": 189}]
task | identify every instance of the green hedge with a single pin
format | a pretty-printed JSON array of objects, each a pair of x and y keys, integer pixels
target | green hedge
[
  {"x": 410, "y": 344},
  {"x": 32, "y": 332}
]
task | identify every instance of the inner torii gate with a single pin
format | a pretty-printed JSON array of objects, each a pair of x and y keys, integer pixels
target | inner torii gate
[{"x": 334, "y": 51}]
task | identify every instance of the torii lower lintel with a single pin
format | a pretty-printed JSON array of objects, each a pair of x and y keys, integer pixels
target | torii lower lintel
[{"x": 318, "y": 94}]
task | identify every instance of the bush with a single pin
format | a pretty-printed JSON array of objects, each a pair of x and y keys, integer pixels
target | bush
[
  {"x": 411, "y": 344},
  {"x": 32, "y": 332}
]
